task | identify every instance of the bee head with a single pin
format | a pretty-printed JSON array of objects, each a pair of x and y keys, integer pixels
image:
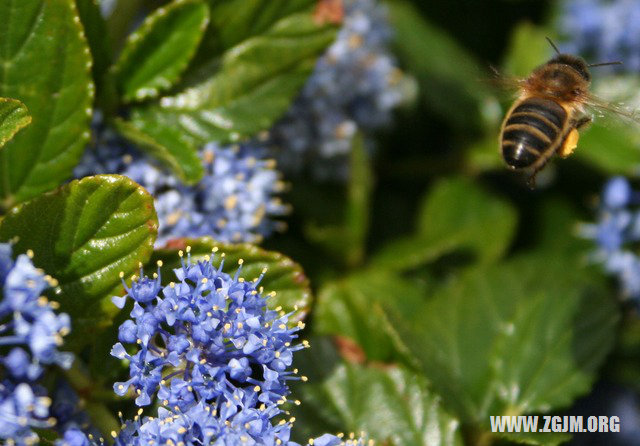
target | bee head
[{"x": 575, "y": 62}]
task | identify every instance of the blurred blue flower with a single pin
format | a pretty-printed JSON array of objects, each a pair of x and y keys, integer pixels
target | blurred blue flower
[
  {"x": 616, "y": 230},
  {"x": 355, "y": 86},
  {"x": 234, "y": 202},
  {"x": 31, "y": 332},
  {"x": 603, "y": 31}
]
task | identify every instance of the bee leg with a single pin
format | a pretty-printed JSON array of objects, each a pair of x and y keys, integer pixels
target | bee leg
[
  {"x": 582, "y": 122},
  {"x": 571, "y": 140}
]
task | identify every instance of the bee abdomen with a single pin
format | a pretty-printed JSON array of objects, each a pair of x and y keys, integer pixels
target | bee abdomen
[{"x": 531, "y": 131}]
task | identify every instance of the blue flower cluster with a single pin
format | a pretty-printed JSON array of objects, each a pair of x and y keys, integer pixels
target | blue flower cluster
[
  {"x": 215, "y": 357},
  {"x": 234, "y": 202},
  {"x": 31, "y": 332},
  {"x": 603, "y": 31},
  {"x": 354, "y": 86},
  {"x": 616, "y": 230}
]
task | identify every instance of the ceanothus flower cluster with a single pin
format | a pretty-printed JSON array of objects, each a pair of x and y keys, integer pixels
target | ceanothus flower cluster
[
  {"x": 207, "y": 340},
  {"x": 616, "y": 229},
  {"x": 31, "y": 332},
  {"x": 603, "y": 31},
  {"x": 217, "y": 359},
  {"x": 234, "y": 202},
  {"x": 354, "y": 86}
]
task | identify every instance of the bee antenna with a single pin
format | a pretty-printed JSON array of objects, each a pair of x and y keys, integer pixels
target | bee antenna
[
  {"x": 601, "y": 64},
  {"x": 553, "y": 45}
]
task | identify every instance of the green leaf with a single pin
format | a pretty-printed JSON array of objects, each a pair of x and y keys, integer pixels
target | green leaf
[
  {"x": 14, "y": 116},
  {"x": 528, "y": 49},
  {"x": 454, "y": 214},
  {"x": 95, "y": 29},
  {"x": 450, "y": 79},
  {"x": 45, "y": 63},
  {"x": 392, "y": 405},
  {"x": 167, "y": 145},
  {"x": 283, "y": 275},
  {"x": 158, "y": 52},
  {"x": 233, "y": 21},
  {"x": 536, "y": 438},
  {"x": 256, "y": 82},
  {"x": 523, "y": 337},
  {"x": 353, "y": 307},
  {"x": 84, "y": 234},
  {"x": 359, "y": 202},
  {"x": 612, "y": 145}
]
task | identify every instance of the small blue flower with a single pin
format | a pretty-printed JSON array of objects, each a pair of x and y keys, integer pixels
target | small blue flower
[
  {"x": 603, "y": 31},
  {"x": 616, "y": 230},
  {"x": 235, "y": 201},
  {"x": 334, "y": 440},
  {"x": 355, "y": 86},
  {"x": 31, "y": 332},
  {"x": 21, "y": 409},
  {"x": 206, "y": 337}
]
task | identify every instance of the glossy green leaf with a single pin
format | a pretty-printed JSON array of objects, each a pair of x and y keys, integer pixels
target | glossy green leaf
[
  {"x": 14, "y": 116},
  {"x": 95, "y": 29},
  {"x": 455, "y": 214},
  {"x": 257, "y": 80},
  {"x": 523, "y": 337},
  {"x": 84, "y": 234},
  {"x": 283, "y": 275},
  {"x": 166, "y": 144},
  {"x": 354, "y": 308},
  {"x": 158, "y": 52},
  {"x": 233, "y": 21},
  {"x": 45, "y": 63},
  {"x": 392, "y": 405},
  {"x": 451, "y": 81}
]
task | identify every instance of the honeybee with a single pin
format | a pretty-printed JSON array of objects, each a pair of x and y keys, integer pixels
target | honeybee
[{"x": 549, "y": 113}]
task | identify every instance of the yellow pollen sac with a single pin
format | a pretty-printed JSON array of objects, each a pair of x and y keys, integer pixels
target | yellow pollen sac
[
  {"x": 282, "y": 326},
  {"x": 121, "y": 274},
  {"x": 188, "y": 249},
  {"x": 277, "y": 354},
  {"x": 570, "y": 143},
  {"x": 180, "y": 253},
  {"x": 256, "y": 389},
  {"x": 113, "y": 434},
  {"x": 159, "y": 263},
  {"x": 304, "y": 378},
  {"x": 205, "y": 280},
  {"x": 311, "y": 441},
  {"x": 30, "y": 253}
]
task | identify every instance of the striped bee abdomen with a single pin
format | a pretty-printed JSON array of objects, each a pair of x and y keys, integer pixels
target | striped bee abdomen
[{"x": 531, "y": 131}]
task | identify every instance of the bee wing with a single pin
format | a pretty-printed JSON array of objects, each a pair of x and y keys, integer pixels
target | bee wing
[
  {"x": 503, "y": 82},
  {"x": 599, "y": 104}
]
